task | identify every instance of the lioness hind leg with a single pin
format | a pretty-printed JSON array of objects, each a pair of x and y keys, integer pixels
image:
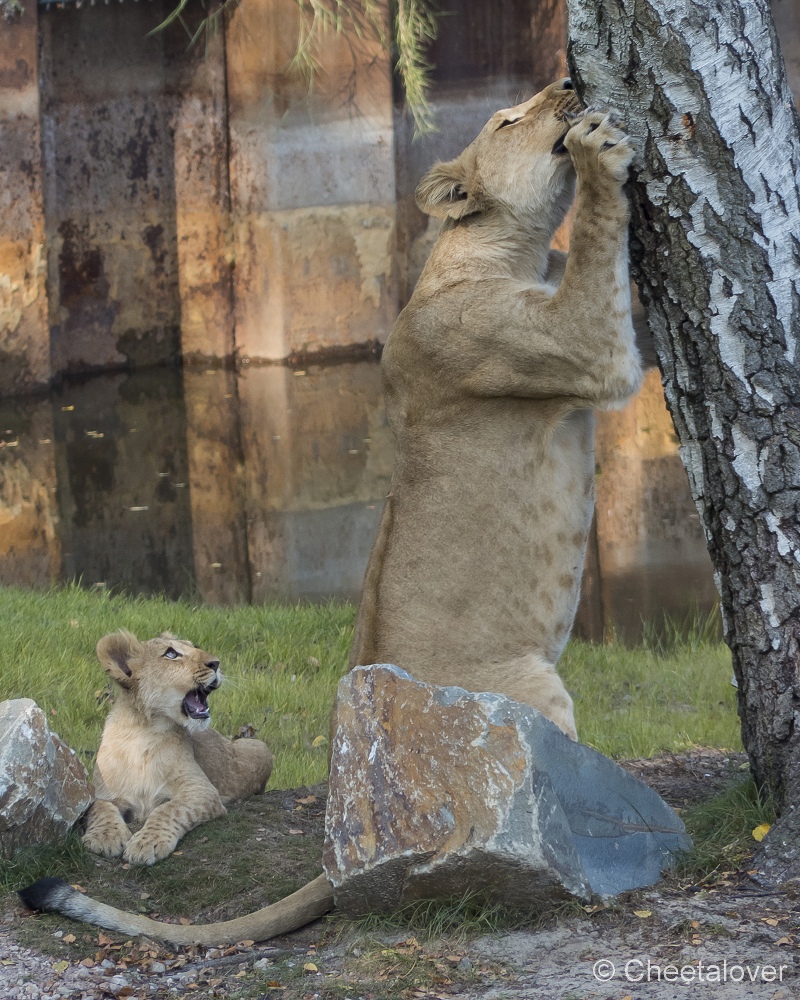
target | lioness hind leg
[
  {"x": 533, "y": 681},
  {"x": 252, "y": 768},
  {"x": 106, "y": 831}
]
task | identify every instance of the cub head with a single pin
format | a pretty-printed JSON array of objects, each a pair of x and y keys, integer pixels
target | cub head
[
  {"x": 518, "y": 162},
  {"x": 165, "y": 676}
]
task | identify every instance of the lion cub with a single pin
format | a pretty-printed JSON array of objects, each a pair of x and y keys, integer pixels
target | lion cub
[
  {"x": 159, "y": 762},
  {"x": 491, "y": 374}
]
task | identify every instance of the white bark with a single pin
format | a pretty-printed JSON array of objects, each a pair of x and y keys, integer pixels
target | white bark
[{"x": 715, "y": 248}]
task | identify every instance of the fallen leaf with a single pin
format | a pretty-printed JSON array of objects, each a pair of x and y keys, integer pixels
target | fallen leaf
[
  {"x": 102, "y": 939},
  {"x": 770, "y": 920},
  {"x": 177, "y": 854},
  {"x": 295, "y": 832},
  {"x": 784, "y": 940},
  {"x": 87, "y": 963},
  {"x": 273, "y": 984},
  {"x": 310, "y": 967},
  {"x": 695, "y": 924},
  {"x": 78, "y": 888},
  {"x": 318, "y": 741},
  {"x": 185, "y": 921},
  {"x": 68, "y": 938},
  {"x": 245, "y": 944},
  {"x": 307, "y": 800},
  {"x": 58, "y": 967},
  {"x": 760, "y": 832},
  {"x": 643, "y": 914}
]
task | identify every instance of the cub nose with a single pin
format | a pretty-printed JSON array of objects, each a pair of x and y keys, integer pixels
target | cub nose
[
  {"x": 566, "y": 84},
  {"x": 212, "y": 664}
]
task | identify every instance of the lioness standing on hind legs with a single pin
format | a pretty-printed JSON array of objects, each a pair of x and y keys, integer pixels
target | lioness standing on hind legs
[{"x": 491, "y": 374}]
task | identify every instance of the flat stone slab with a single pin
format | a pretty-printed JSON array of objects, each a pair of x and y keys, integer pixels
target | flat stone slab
[
  {"x": 436, "y": 791},
  {"x": 44, "y": 787}
]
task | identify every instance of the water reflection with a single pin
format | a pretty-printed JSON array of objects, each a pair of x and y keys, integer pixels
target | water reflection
[
  {"x": 270, "y": 483},
  {"x": 267, "y": 484}
]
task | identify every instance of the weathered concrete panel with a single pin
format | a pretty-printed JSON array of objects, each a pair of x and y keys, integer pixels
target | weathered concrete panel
[
  {"x": 107, "y": 135},
  {"x": 24, "y": 335},
  {"x": 312, "y": 187},
  {"x": 314, "y": 486},
  {"x": 202, "y": 199}
]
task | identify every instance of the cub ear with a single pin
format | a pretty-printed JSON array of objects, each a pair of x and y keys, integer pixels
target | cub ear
[
  {"x": 444, "y": 193},
  {"x": 115, "y": 652}
]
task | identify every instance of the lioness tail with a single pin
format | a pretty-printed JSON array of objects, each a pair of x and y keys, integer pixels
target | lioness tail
[{"x": 314, "y": 900}]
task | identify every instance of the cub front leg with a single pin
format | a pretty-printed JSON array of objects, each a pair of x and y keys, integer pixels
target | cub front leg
[
  {"x": 194, "y": 804},
  {"x": 107, "y": 832}
]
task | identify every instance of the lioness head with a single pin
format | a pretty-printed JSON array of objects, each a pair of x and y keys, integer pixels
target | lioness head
[
  {"x": 518, "y": 162},
  {"x": 165, "y": 676}
]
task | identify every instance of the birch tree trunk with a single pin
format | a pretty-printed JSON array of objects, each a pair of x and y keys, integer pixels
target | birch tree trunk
[{"x": 715, "y": 249}]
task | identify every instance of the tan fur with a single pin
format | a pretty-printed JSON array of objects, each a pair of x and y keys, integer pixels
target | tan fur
[
  {"x": 491, "y": 375},
  {"x": 155, "y": 765}
]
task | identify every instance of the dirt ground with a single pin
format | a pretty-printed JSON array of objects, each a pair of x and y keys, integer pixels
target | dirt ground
[{"x": 728, "y": 938}]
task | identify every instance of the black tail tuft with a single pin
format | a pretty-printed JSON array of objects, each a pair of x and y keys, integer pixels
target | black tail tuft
[{"x": 45, "y": 894}]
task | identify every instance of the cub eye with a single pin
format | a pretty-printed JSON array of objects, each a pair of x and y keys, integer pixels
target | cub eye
[
  {"x": 171, "y": 654},
  {"x": 508, "y": 121}
]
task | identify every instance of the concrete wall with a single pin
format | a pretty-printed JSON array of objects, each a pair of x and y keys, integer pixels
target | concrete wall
[{"x": 24, "y": 335}]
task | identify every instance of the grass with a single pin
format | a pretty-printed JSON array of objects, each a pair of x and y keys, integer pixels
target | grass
[
  {"x": 282, "y": 665},
  {"x": 671, "y": 694},
  {"x": 722, "y": 830}
]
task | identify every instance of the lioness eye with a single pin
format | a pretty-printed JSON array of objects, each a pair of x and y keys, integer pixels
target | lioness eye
[
  {"x": 506, "y": 121},
  {"x": 172, "y": 654}
]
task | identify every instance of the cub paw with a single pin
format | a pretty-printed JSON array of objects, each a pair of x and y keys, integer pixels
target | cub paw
[
  {"x": 146, "y": 847},
  {"x": 598, "y": 144},
  {"x": 109, "y": 843}
]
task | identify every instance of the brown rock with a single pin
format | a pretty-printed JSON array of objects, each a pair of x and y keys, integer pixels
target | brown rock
[
  {"x": 435, "y": 792},
  {"x": 44, "y": 788}
]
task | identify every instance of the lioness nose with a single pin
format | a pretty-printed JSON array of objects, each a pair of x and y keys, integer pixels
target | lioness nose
[
  {"x": 566, "y": 84},
  {"x": 212, "y": 664}
]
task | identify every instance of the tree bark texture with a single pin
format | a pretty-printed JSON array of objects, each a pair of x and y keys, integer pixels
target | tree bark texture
[{"x": 715, "y": 249}]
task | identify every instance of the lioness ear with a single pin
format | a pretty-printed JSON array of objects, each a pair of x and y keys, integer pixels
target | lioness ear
[
  {"x": 443, "y": 191},
  {"x": 115, "y": 652}
]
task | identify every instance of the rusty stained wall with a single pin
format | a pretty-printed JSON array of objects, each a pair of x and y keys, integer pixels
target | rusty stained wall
[
  {"x": 24, "y": 339},
  {"x": 108, "y": 107},
  {"x": 312, "y": 187}
]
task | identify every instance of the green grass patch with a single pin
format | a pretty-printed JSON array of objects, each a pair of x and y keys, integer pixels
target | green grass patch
[
  {"x": 282, "y": 665},
  {"x": 668, "y": 695},
  {"x": 722, "y": 830}
]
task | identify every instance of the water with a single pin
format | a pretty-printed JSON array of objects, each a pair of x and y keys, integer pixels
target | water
[
  {"x": 269, "y": 484},
  {"x": 232, "y": 487}
]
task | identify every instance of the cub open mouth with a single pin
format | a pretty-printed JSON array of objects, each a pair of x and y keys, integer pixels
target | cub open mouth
[{"x": 195, "y": 704}]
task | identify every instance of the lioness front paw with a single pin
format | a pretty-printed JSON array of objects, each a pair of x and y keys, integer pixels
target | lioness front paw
[
  {"x": 146, "y": 847},
  {"x": 597, "y": 142}
]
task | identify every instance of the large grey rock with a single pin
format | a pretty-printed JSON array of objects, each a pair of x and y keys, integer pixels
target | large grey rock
[
  {"x": 436, "y": 791},
  {"x": 44, "y": 787}
]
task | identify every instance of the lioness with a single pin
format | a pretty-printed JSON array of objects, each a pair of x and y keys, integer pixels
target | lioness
[
  {"x": 159, "y": 762},
  {"x": 491, "y": 374}
]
